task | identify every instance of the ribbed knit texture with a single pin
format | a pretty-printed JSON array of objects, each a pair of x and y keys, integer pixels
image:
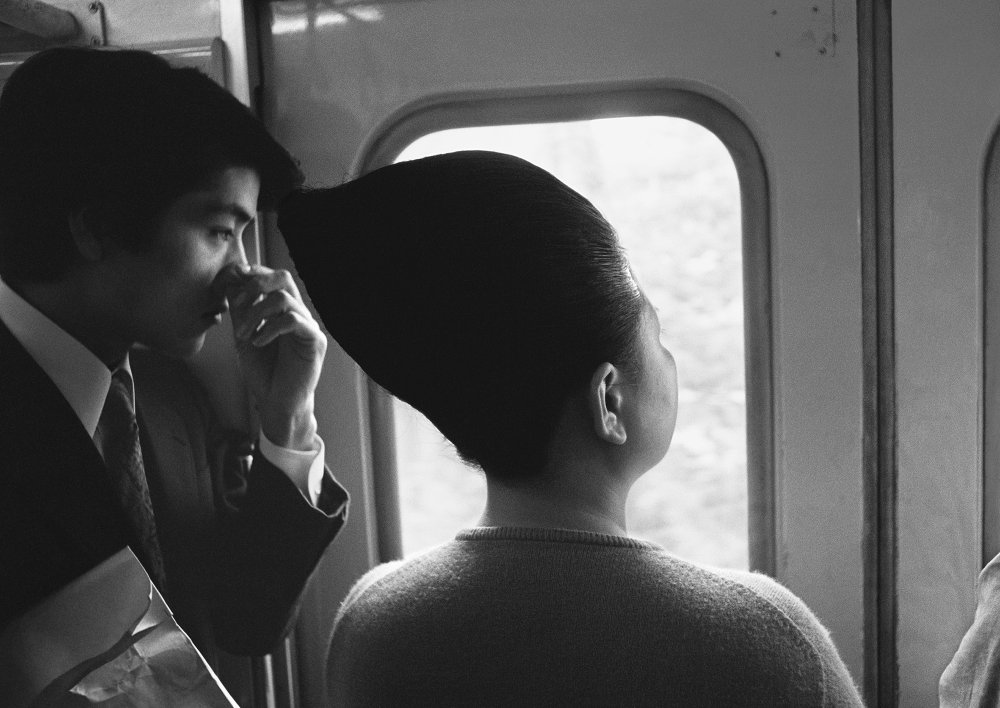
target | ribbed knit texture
[{"x": 519, "y": 617}]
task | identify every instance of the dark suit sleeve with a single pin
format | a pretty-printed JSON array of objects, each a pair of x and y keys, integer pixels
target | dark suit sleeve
[
  {"x": 269, "y": 540},
  {"x": 239, "y": 539}
]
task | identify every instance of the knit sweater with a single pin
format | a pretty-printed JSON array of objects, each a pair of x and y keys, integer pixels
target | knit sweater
[{"x": 522, "y": 617}]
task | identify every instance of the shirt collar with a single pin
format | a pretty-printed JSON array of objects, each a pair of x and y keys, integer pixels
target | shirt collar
[{"x": 80, "y": 376}]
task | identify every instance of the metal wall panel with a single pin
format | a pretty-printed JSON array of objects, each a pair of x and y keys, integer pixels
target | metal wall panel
[{"x": 946, "y": 103}]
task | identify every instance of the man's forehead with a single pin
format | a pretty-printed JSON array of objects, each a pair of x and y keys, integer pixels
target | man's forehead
[
  {"x": 210, "y": 205},
  {"x": 230, "y": 191}
]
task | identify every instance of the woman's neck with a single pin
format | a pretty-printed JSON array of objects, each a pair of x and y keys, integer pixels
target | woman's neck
[{"x": 579, "y": 499}]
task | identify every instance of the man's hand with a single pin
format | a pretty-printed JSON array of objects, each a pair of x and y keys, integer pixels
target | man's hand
[{"x": 281, "y": 350}]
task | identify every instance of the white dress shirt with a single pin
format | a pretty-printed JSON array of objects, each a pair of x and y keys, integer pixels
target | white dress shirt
[{"x": 84, "y": 381}]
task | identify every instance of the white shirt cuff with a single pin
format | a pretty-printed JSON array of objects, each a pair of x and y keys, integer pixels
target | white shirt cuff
[{"x": 304, "y": 468}]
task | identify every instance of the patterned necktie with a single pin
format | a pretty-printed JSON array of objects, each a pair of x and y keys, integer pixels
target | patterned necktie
[{"x": 118, "y": 438}]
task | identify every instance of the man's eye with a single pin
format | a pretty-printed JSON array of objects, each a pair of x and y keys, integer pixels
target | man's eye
[{"x": 223, "y": 233}]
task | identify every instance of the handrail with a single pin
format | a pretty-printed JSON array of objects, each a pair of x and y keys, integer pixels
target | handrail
[{"x": 39, "y": 18}]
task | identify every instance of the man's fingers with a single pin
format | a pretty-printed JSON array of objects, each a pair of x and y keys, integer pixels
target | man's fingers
[
  {"x": 245, "y": 286},
  {"x": 293, "y": 323},
  {"x": 248, "y": 319}
]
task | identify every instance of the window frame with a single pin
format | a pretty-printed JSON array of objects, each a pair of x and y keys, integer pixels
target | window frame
[
  {"x": 466, "y": 110},
  {"x": 990, "y": 411}
]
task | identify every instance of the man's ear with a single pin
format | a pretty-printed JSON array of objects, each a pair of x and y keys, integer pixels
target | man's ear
[
  {"x": 606, "y": 399},
  {"x": 88, "y": 235}
]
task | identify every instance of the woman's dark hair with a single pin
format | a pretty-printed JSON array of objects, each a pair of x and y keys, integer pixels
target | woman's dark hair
[
  {"x": 123, "y": 134},
  {"x": 473, "y": 285}
]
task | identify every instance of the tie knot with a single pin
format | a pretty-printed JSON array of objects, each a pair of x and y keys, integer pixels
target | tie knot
[
  {"x": 121, "y": 376},
  {"x": 117, "y": 419},
  {"x": 120, "y": 391}
]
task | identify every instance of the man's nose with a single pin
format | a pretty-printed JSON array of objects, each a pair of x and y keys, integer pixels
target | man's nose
[
  {"x": 233, "y": 270},
  {"x": 237, "y": 254}
]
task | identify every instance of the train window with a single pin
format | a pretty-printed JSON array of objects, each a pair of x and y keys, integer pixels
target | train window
[{"x": 670, "y": 188}]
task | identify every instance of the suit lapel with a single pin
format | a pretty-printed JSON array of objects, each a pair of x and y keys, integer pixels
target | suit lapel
[
  {"x": 165, "y": 451},
  {"x": 169, "y": 427}
]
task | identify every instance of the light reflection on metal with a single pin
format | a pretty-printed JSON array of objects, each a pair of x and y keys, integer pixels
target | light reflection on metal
[
  {"x": 330, "y": 17},
  {"x": 293, "y": 23},
  {"x": 186, "y": 52},
  {"x": 365, "y": 13},
  {"x": 289, "y": 25}
]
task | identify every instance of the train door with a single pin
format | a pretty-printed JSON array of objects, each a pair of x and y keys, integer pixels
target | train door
[
  {"x": 945, "y": 108},
  {"x": 347, "y": 86}
]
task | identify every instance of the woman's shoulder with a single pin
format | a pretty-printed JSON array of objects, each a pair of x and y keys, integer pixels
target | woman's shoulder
[
  {"x": 366, "y": 581},
  {"x": 840, "y": 687},
  {"x": 392, "y": 578},
  {"x": 780, "y": 597}
]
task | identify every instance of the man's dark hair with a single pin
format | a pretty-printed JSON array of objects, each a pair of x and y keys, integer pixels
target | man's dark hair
[
  {"x": 473, "y": 285},
  {"x": 119, "y": 133}
]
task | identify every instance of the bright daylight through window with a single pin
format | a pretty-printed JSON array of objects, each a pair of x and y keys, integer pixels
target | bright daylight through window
[{"x": 670, "y": 189}]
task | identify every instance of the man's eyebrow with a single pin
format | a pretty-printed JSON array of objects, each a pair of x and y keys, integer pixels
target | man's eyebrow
[{"x": 231, "y": 208}]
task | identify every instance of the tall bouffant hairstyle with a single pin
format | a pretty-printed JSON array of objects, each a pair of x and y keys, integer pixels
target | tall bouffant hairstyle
[
  {"x": 473, "y": 285},
  {"x": 121, "y": 133}
]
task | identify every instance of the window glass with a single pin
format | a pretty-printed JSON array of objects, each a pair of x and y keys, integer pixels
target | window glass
[{"x": 670, "y": 188}]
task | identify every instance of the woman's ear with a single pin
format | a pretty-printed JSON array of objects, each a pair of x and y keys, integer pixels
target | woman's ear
[
  {"x": 91, "y": 242},
  {"x": 605, "y": 400}
]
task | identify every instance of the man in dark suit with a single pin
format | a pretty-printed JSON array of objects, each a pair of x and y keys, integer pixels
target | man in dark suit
[{"x": 125, "y": 187}]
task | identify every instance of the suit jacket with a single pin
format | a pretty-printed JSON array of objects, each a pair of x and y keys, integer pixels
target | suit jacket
[{"x": 239, "y": 541}]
